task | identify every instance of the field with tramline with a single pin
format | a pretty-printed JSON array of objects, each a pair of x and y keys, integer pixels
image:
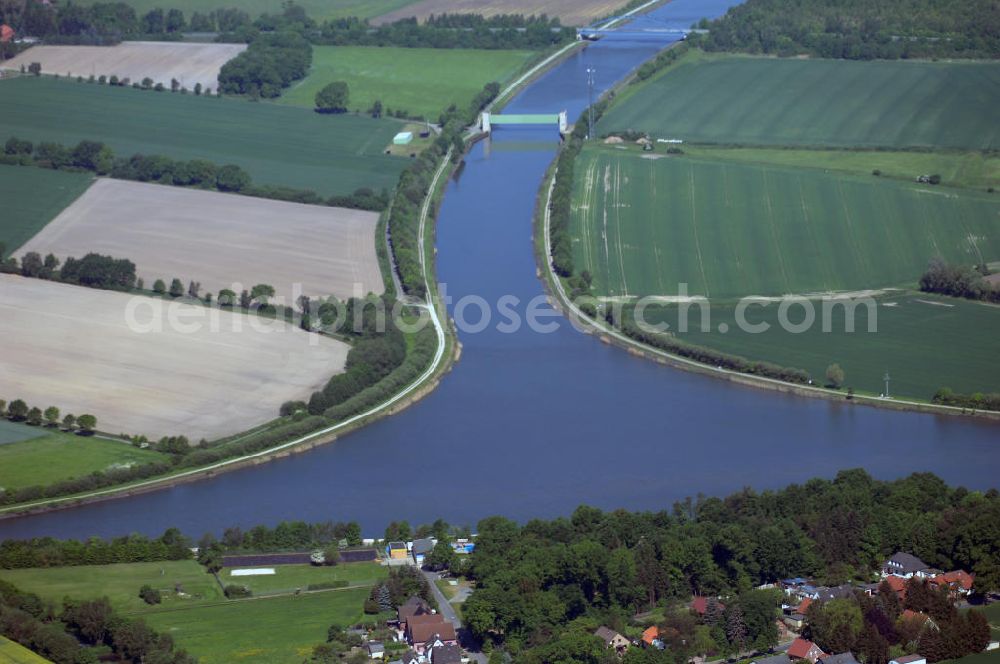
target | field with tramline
[
  {"x": 570, "y": 12},
  {"x": 645, "y": 225},
  {"x": 770, "y": 101},
  {"x": 276, "y": 145},
  {"x": 32, "y": 197},
  {"x": 422, "y": 81}
]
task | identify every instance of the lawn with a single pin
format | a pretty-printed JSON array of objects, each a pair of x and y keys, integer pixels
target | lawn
[
  {"x": 32, "y": 197},
  {"x": 729, "y": 229},
  {"x": 120, "y": 583},
  {"x": 317, "y": 9},
  {"x": 52, "y": 456},
  {"x": 978, "y": 658},
  {"x": 422, "y": 81},
  {"x": 289, "y": 578},
  {"x": 13, "y": 653},
  {"x": 770, "y": 101},
  {"x": 276, "y": 145},
  {"x": 915, "y": 341},
  {"x": 274, "y": 630}
]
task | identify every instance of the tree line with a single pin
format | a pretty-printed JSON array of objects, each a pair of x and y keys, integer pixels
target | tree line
[
  {"x": 542, "y": 587},
  {"x": 858, "y": 29},
  {"x": 98, "y": 158},
  {"x": 959, "y": 281},
  {"x": 92, "y": 271},
  {"x": 271, "y": 62},
  {"x": 19, "y": 411}
]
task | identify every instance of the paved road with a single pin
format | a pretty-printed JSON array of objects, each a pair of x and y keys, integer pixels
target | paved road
[{"x": 447, "y": 610}]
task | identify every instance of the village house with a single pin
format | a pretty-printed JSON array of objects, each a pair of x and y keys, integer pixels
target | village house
[
  {"x": 376, "y": 650},
  {"x": 446, "y": 654},
  {"x": 842, "y": 658},
  {"x": 397, "y": 550},
  {"x": 414, "y": 606},
  {"x": 805, "y": 649},
  {"x": 909, "y": 659},
  {"x": 612, "y": 639},
  {"x": 905, "y": 565},
  {"x": 651, "y": 638},
  {"x": 429, "y": 628},
  {"x": 958, "y": 582},
  {"x": 700, "y": 604},
  {"x": 420, "y": 549}
]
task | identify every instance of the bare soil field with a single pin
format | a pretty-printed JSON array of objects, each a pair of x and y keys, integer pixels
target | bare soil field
[
  {"x": 199, "y": 372},
  {"x": 189, "y": 63},
  {"x": 220, "y": 240},
  {"x": 570, "y": 12}
]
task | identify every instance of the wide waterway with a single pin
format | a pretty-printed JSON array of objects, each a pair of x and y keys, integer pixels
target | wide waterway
[{"x": 532, "y": 424}]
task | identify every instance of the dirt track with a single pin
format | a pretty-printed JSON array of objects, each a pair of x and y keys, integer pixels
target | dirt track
[
  {"x": 220, "y": 240},
  {"x": 74, "y": 348},
  {"x": 570, "y": 12},
  {"x": 189, "y": 63}
]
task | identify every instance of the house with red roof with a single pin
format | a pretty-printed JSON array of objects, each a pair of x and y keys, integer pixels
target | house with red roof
[
  {"x": 804, "y": 605},
  {"x": 700, "y": 604},
  {"x": 898, "y": 585},
  {"x": 959, "y": 582},
  {"x": 805, "y": 649}
]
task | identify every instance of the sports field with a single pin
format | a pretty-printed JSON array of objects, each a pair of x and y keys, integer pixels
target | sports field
[
  {"x": 422, "y": 81},
  {"x": 289, "y": 578},
  {"x": 276, "y": 145},
  {"x": 46, "y": 456},
  {"x": 32, "y": 197},
  {"x": 190, "y": 63},
  {"x": 646, "y": 225},
  {"x": 221, "y": 240},
  {"x": 914, "y": 341},
  {"x": 317, "y": 9},
  {"x": 147, "y": 366},
  {"x": 770, "y": 101}
]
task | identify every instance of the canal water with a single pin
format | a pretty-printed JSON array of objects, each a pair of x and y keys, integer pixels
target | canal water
[{"x": 533, "y": 424}]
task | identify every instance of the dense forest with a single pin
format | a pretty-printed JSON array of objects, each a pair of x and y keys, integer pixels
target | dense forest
[
  {"x": 544, "y": 586},
  {"x": 860, "y": 29}
]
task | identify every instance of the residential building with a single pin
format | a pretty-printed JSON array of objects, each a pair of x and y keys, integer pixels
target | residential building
[
  {"x": 396, "y": 550},
  {"x": 959, "y": 582},
  {"x": 421, "y": 548},
  {"x": 651, "y": 637},
  {"x": 429, "y": 627},
  {"x": 795, "y": 620},
  {"x": 842, "y": 658},
  {"x": 805, "y": 649},
  {"x": 905, "y": 565},
  {"x": 843, "y": 591},
  {"x": 376, "y": 650},
  {"x": 909, "y": 659},
  {"x": 612, "y": 639},
  {"x": 446, "y": 654},
  {"x": 773, "y": 659},
  {"x": 414, "y": 606}
]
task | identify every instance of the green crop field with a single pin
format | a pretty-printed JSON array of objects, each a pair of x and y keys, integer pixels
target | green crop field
[
  {"x": 421, "y": 81},
  {"x": 271, "y": 630},
  {"x": 727, "y": 229},
  {"x": 317, "y": 9},
  {"x": 277, "y": 145},
  {"x": 13, "y": 653},
  {"x": 32, "y": 197},
  {"x": 914, "y": 340},
  {"x": 288, "y": 578},
  {"x": 120, "y": 583},
  {"x": 51, "y": 456},
  {"x": 737, "y": 99}
]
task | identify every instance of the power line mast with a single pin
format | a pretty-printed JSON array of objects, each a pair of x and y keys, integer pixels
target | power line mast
[
  {"x": 590, "y": 109},
  {"x": 886, "y": 378}
]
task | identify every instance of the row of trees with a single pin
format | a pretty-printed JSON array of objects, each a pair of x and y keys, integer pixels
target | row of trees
[
  {"x": 976, "y": 401},
  {"x": 98, "y": 158},
  {"x": 99, "y": 23},
  {"x": 92, "y": 271},
  {"x": 858, "y": 29},
  {"x": 272, "y": 62},
  {"x": 19, "y": 411},
  {"x": 535, "y": 580}
]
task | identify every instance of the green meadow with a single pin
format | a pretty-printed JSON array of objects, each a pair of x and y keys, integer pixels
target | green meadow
[
  {"x": 32, "y": 197},
  {"x": 45, "y": 456},
  {"x": 14, "y": 653},
  {"x": 727, "y": 228},
  {"x": 771, "y": 101},
  {"x": 276, "y": 145},
  {"x": 288, "y": 578},
  {"x": 914, "y": 340},
  {"x": 421, "y": 81}
]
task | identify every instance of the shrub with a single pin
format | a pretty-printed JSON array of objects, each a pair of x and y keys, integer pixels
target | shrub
[
  {"x": 150, "y": 595},
  {"x": 234, "y": 591}
]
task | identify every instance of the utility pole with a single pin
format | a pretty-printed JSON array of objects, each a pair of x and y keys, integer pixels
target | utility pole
[
  {"x": 886, "y": 379},
  {"x": 590, "y": 109}
]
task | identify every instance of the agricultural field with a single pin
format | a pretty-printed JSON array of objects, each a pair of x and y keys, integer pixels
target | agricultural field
[
  {"x": 317, "y": 9},
  {"x": 422, "y": 81},
  {"x": 147, "y": 366},
  {"x": 221, "y": 240},
  {"x": 570, "y": 12},
  {"x": 770, "y": 101},
  {"x": 276, "y": 145},
  {"x": 646, "y": 224},
  {"x": 32, "y": 197},
  {"x": 914, "y": 341},
  {"x": 14, "y": 653},
  {"x": 190, "y": 63},
  {"x": 42, "y": 456}
]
